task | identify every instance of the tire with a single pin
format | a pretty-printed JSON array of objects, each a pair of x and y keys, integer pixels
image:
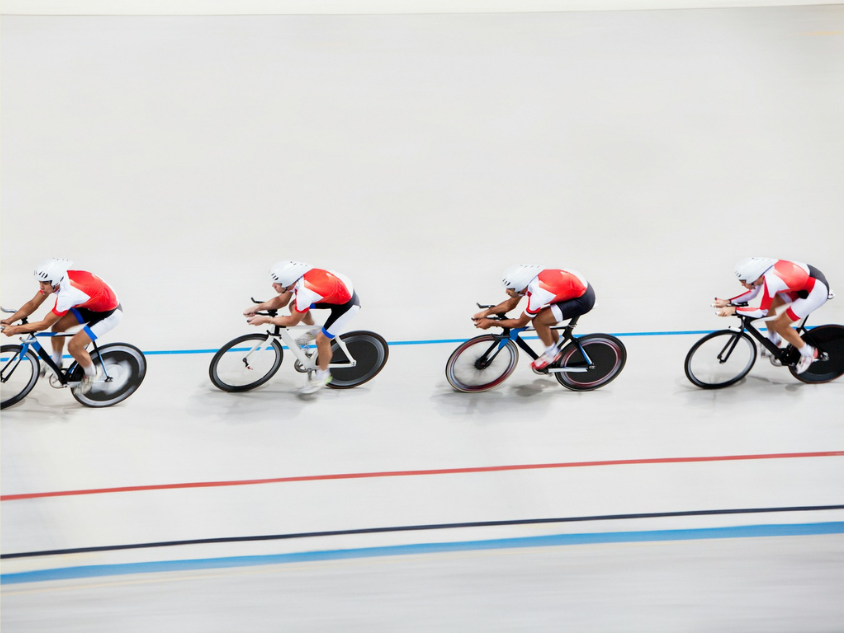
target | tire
[
  {"x": 18, "y": 374},
  {"x": 370, "y": 352},
  {"x": 608, "y": 355},
  {"x": 703, "y": 367},
  {"x": 229, "y": 370},
  {"x": 126, "y": 367},
  {"x": 481, "y": 363},
  {"x": 829, "y": 339}
]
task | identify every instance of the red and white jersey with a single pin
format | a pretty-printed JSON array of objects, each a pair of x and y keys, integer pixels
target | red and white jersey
[
  {"x": 552, "y": 286},
  {"x": 321, "y": 286},
  {"x": 80, "y": 289},
  {"x": 786, "y": 278}
]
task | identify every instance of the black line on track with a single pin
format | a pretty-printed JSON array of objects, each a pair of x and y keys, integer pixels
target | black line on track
[{"x": 414, "y": 528}]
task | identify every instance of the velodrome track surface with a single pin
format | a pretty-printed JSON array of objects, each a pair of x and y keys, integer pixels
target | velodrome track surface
[{"x": 647, "y": 150}]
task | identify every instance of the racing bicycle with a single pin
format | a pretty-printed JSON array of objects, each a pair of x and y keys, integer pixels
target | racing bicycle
[
  {"x": 251, "y": 360},
  {"x": 122, "y": 366},
  {"x": 722, "y": 358},
  {"x": 587, "y": 362}
]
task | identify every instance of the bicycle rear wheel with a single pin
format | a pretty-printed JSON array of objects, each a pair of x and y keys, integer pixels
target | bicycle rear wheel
[
  {"x": 245, "y": 362},
  {"x": 720, "y": 359},
  {"x": 481, "y": 363},
  {"x": 828, "y": 339},
  {"x": 608, "y": 356},
  {"x": 126, "y": 368},
  {"x": 370, "y": 352},
  {"x": 18, "y": 374}
]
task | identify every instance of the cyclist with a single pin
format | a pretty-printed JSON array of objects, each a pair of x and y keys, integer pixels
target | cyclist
[
  {"x": 553, "y": 294},
  {"x": 81, "y": 298},
  {"x": 801, "y": 287},
  {"x": 310, "y": 288}
]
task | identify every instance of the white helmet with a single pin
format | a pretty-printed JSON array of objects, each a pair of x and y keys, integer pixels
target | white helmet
[
  {"x": 286, "y": 274},
  {"x": 52, "y": 270},
  {"x": 518, "y": 277},
  {"x": 751, "y": 268}
]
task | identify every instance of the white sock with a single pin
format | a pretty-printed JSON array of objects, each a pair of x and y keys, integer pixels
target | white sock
[
  {"x": 807, "y": 350},
  {"x": 775, "y": 338},
  {"x": 90, "y": 370},
  {"x": 57, "y": 358},
  {"x": 322, "y": 374},
  {"x": 551, "y": 350}
]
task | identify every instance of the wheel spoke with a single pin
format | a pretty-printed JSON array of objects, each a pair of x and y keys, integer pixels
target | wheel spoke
[
  {"x": 720, "y": 359},
  {"x": 245, "y": 363},
  {"x": 18, "y": 374},
  {"x": 464, "y": 371}
]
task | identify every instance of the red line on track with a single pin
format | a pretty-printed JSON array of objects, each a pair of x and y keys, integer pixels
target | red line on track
[{"x": 416, "y": 473}]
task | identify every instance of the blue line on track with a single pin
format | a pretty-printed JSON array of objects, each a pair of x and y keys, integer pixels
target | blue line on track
[
  {"x": 746, "y": 531},
  {"x": 437, "y": 341}
]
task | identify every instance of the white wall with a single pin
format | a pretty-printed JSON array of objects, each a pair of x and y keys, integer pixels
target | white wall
[{"x": 180, "y": 157}]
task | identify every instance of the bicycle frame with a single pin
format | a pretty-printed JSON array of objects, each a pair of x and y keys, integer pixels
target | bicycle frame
[
  {"x": 31, "y": 341},
  {"x": 513, "y": 334},
  {"x": 748, "y": 325},
  {"x": 307, "y": 360}
]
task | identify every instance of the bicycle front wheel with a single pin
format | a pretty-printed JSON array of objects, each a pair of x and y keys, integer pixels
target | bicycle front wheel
[
  {"x": 370, "y": 352},
  {"x": 720, "y": 359},
  {"x": 481, "y": 363},
  {"x": 245, "y": 362},
  {"x": 608, "y": 356},
  {"x": 828, "y": 339},
  {"x": 124, "y": 365},
  {"x": 18, "y": 374}
]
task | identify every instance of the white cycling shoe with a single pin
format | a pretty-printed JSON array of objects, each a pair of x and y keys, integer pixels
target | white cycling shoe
[
  {"x": 806, "y": 361},
  {"x": 546, "y": 359},
  {"x": 86, "y": 384},
  {"x": 315, "y": 384}
]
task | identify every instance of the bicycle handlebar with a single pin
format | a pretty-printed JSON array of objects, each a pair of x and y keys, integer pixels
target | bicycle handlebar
[
  {"x": 269, "y": 313},
  {"x": 23, "y": 320}
]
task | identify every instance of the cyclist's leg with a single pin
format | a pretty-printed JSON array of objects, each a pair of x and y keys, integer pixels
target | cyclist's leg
[
  {"x": 97, "y": 324},
  {"x": 543, "y": 322},
  {"x": 308, "y": 319},
  {"x": 67, "y": 321},
  {"x": 571, "y": 308},
  {"x": 552, "y": 315},
  {"x": 340, "y": 317},
  {"x": 800, "y": 309}
]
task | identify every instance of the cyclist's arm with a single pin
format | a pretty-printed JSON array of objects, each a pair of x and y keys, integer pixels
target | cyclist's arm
[
  {"x": 502, "y": 308},
  {"x": 288, "y": 321},
  {"x": 485, "y": 324},
  {"x": 276, "y": 303},
  {"x": 522, "y": 321},
  {"x": 26, "y": 309},
  {"x": 38, "y": 326}
]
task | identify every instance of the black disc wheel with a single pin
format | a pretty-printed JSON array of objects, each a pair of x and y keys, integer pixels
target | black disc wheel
[
  {"x": 481, "y": 363},
  {"x": 18, "y": 374},
  {"x": 828, "y": 340},
  {"x": 245, "y": 362},
  {"x": 607, "y": 355},
  {"x": 720, "y": 359},
  {"x": 370, "y": 353},
  {"x": 122, "y": 368}
]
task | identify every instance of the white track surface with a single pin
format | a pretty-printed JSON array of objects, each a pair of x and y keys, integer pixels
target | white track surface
[{"x": 180, "y": 157}]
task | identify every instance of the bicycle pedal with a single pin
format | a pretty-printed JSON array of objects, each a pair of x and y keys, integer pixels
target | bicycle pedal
[{"x": 55, "y": 383}]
